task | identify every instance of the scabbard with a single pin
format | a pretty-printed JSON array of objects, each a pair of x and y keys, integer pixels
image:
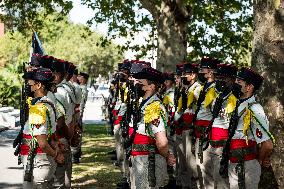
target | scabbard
[{"x": 151, "y": 167}]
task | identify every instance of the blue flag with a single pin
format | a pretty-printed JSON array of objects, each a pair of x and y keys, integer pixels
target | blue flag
[{"x": 36, "y": 47}]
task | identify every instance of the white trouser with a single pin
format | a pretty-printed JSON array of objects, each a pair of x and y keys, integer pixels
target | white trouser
[
  {"x": 205, "y": 169},
  {"x": 218, "y": 181},
  {"x": 252, "y": 170},
  {"x": 139, "y": 172},
  {"x": 64, "y": 172},
  {"x": 43, "y": 172},
  {"x": 183, "y": 174}
]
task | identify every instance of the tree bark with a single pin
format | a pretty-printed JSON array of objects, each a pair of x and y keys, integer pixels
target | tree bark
[
  {"x": 268, "y": 59},
  {"x": 172, "y": 19}
]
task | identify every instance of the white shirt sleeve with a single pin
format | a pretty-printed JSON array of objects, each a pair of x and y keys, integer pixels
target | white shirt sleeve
[
  {"x": 160, "y": 124},
  {"x": 260, "y": 124}
]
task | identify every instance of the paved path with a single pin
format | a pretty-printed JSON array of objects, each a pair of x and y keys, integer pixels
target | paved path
[{"x": 11, "y": 174}]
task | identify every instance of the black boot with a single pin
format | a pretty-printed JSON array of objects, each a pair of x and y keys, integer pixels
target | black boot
[
  {"x": 75, "y": 160},
  {"x": 123, "y": 184},
  {"x": 113, "y": 158},
  {"x": 113, "y": 152}
]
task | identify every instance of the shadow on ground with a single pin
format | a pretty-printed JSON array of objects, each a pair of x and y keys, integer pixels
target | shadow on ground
[
  {"x": 8, "y": 186},
  {"x": 7, "y": 137},
  {"x": 96, "y": 170}
]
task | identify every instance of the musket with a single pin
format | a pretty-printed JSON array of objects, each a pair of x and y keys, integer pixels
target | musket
[
  {"x": 216, "y": 109},
  {"x": 184, "y": 99},
  {"x": 127, "y": 116},
  {"x": 224, "y": 163},
  {"x": 198, "y": 106},
  {"x": 23, "y": 117},
  {"x": 136, "y": 117},
  {"x": 176, "y": 98}
]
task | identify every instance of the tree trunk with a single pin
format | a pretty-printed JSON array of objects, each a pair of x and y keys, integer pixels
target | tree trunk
[
  {"x": 172, "y": 40},
  {"x": 268, "y": 59},
  {"x": 172, "y": 19}
]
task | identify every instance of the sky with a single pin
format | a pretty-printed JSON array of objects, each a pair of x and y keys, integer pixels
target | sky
[{"x": 81, "y": 14}]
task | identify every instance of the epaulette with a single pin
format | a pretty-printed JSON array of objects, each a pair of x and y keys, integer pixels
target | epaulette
[
  {"x": 248, "y": 116},
  {"x": 211, "y": 94},
  {"x": 37, "y": 113},
  {"x": 153, "y": 112}
]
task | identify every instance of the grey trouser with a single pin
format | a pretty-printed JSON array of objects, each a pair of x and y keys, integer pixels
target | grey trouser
[
  {"x": 76, "y": 150},
  {"x": 218, "y": 182},
  {"x": 172, "y": 149},
  {"x": 252, "y": 174},
  {"x": 63, "y": 172},
  {"x": 43, "y": 172},
  {"x": 125, "y": 167},
  {"x": 183, "y": 175},
  {"x": 139, "y": 172},
  {"x": 205, "y": 169},
  {"x": 121, "y": 153},
  {"x": 190, "y": 159},
  {"x": 118, "y": 145}
]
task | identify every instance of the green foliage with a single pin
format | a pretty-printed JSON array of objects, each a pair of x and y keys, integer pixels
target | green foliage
[
  {"x": 79, "y": 45},
  {"x": 220, "y": 28},
  {"x": 9, "y": 87},
  {"x": 18, "y": 15},
  {"x": 125, "y": 19},
  {"x": 61, "y": 39},
  {"x": 14, "y": 49}
]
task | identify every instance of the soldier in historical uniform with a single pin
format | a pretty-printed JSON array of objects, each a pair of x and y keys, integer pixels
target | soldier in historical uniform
[
  {"x": 39, "y": 147},
  {"x": 250, "y": 143},
  {"x": 203, "y": 116},
  {"x": 217, "y": 132},
  {"x": 150, "y": 152},
  {"x": 187, "y": 160},
  {"x": 66, "y": 99},
  {"x": 168, "y": 102},
  {"x": 175, "y": 131},
  {"x": 77, "y": 137},
  {"x": 83, "y": 80},
  {"x": 128, "y": 116},
  {"x": 168, "y": 96}
]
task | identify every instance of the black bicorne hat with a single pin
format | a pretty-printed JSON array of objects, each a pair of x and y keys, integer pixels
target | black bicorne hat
[
  {"x": 119, "y": 65},
  {"x": 250, "y": 76},
  {"x": 126, "y": 65},
  {"x": 75, "y": 72},
  {"x": 47, "y": 62},
  {"x": 84, "y": 75},
  {"x": 179, "y": 68},
  {"x": 169, "y": 76},
  {"x": 39, "y": 74},
  {"x": 137, "y": 66},
  {"x": 207, "y": 62},
  {"x": 150, "y": 74},
  {"x": 226, "y": 70},
  {"x": 59, "y": 65},
  {"x": 35, "y": 60},
  {"x": 190, "y": 68},
  {"x": 71, "y": 69}
]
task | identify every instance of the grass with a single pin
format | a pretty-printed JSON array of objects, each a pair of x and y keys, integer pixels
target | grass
[{"x": 96, "y": 169}]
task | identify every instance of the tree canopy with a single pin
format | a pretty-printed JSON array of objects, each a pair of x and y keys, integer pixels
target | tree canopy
[
  {"x": 218, "y": 28},
  {"x": 61, "y": 39},
  {"x": 221, "y": 28},
  {"x": 18, "y": 15}
]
